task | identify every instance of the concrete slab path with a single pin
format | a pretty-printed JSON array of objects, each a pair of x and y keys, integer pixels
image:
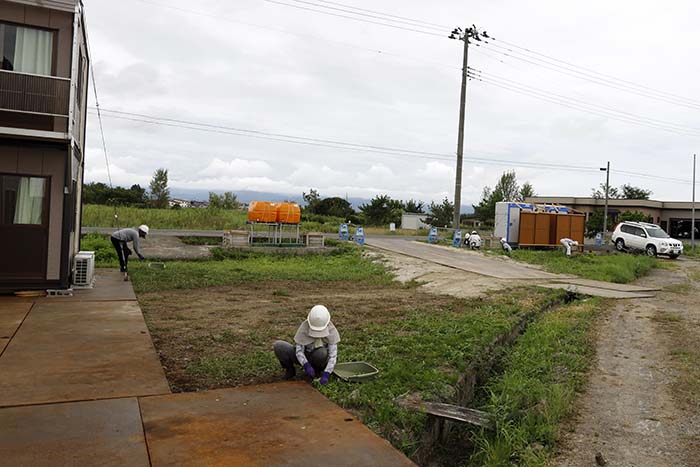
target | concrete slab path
[
  {"x": 500, "y": 268},
  {"x": 104, "y": 433},
  {"x": 11, "y": 317},
  {"x": 285, "y": 424},
  {"x": 504, "y": 269},
  {"x": 71, "y": 351}
]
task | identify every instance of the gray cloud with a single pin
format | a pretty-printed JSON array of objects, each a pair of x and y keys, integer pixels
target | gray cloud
[{"x": 159, "y": 61}]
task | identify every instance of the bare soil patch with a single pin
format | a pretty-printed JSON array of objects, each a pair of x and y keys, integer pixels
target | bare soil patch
[
  {"x": 441, "y": 280},
  {"x": 189, "y": 325},
  {"x": 640, "y": 407}
]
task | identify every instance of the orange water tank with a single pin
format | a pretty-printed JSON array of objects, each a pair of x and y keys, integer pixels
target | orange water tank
[
  {"x": 288, "y": 213},
  {"x": 262, "y": 211}
]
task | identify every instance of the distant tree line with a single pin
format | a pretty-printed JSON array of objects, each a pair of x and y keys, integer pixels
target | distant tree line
[
  {"x": 157, "y": 196},
  {"x": 380, "y": 210}
]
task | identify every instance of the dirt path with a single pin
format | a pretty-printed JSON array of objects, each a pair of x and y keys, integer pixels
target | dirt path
[
  {"x": 441, "y": 280},
  {"x": 169, "y": 247},
  {"x": 640, "y": 407}
]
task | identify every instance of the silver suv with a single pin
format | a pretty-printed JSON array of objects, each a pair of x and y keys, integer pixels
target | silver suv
[{"x": 646, "y": 237}]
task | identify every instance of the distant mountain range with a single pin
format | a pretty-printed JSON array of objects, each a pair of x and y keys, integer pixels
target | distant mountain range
[{"x": 246, "y": 196}]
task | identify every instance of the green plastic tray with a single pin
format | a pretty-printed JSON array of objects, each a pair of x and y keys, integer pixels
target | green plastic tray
[{"x": 355, "y": 372}]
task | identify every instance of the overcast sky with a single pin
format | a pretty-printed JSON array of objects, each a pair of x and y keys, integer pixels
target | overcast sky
[{"x": 324, "y": 77}]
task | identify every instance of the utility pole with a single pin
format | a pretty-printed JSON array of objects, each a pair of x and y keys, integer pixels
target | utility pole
[
  {"x": 465, "y": 36},
  {"x": 605, "y": 212},
  {"x": 692, "y": 215}
]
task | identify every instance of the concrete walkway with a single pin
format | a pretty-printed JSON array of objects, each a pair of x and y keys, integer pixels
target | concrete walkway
[
  {"x": 81, "y": 385},
  {"x": 505, "y": 269}
]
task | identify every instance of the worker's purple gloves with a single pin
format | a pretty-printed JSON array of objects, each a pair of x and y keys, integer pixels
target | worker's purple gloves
[
  {"x": 324, "y": 378},
  {"x": 309, "y": 370},
  {"x": 141, "y": 257}
]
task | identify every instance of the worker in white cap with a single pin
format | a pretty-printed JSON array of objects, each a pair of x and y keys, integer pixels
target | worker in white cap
[
  {"x": 473, "y": 241},
  {"x": 507, "y": 248},
  {"x": 120, "y": 240},
  {"x": 568, "y": 244},
  {"x": 315, "y": 349}
]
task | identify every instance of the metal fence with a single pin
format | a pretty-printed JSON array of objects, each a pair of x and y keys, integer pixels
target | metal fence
[{"x": 21, "y": 92}]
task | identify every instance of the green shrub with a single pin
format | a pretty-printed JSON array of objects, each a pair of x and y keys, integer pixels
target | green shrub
[{"x": 105, "y": 255}]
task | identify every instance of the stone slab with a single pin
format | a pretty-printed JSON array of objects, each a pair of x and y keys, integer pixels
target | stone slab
[
  {"x": 597, "y": 292},
  {"x": 501, "y": 268},
  {"x": 109, "y": 286},
  {"x": 70, "y": 351},
  {"x": 285, "y": 424},
  {"x": 12, "y": 313},
  {"x": 105, "y": 433},
  {"x": 609, "y": 285}
]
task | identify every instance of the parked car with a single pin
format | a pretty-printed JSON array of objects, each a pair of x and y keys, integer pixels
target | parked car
[{"x": 645, "y": 237}]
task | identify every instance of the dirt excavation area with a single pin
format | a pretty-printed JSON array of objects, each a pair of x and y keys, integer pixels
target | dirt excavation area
[
  {"x": 222, "y": 336},
  {"x": 642, "y": 402}
]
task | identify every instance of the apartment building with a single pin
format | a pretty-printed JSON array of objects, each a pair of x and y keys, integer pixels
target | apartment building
[{"x": 43, "y": 100}]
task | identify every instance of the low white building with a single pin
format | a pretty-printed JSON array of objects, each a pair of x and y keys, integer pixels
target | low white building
[
  {"x": 413, "y": 221},
  {"x": 183, "y": 203}
]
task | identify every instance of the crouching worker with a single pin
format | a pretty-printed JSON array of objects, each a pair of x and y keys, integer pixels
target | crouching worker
[
  {"x": 120, "y": 240},
  {"x": 506, "y": 247},
  {"x": 568, "y": 245},
  {"x": 315, "y": 349},
  {"x": 473, "y": 241}
]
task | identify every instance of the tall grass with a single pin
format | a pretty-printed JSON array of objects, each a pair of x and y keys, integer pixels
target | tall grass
[
  {"x": 207, "y": 219},
  {"x": 536, "y": 390},
  {"x": 620, "y": 268},
  {"x": 191, "y": 219}
]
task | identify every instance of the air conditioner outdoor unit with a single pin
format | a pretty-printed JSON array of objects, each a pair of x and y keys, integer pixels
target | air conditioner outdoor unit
[{"x": 84, "y": 270}]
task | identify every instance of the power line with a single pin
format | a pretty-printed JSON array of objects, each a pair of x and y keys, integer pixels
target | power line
[
  {"x": 335, "y": 144},
  {"x": 376, "y": 52},
  {"x": 427, "y": 23},
  {"x": 571, "y": 69},
  {"x": 394, "y": 26},
  {"x": 412, "y": 23},
  {"x": 555, "y": 100},
  {"x": 589, "y": 77},
  {"x": 631, "y": 83},
  {"x": 679, "y": 126},
  {"x": 357, "y": 147}
]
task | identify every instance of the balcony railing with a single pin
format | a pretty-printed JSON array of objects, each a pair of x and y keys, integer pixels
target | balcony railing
[{"x": 34, "y": 94}]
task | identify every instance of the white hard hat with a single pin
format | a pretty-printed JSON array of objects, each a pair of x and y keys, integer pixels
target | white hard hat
[
  {"x": 143, "y": 228},
  {"x": 473, "y": 231},
  {"x": 503, "y": 240},
  {"x": 318, "y": 319}
]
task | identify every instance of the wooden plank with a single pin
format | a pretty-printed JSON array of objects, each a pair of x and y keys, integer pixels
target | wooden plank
[
  {"x": 527, "y": 228},
  {"x": 452, "y": 412}
]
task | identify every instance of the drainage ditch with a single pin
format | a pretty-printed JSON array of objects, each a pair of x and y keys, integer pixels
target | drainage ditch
[{"x": 433, "y": 450}]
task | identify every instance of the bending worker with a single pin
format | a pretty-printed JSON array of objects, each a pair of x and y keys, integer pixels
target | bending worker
[
  {"x": 120, "y": 240},
  {"x": 568, "y": 244},
  {"x": 315, "y": 349}
]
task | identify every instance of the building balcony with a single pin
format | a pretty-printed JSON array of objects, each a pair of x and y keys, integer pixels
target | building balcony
[{"x": 34, "y": 94}]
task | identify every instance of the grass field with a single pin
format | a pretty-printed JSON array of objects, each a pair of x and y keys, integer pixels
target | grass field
[
  {"x": 204, "y": 219},
  {"x": 621, "y": 268},
  {"x": 193, "y": 219}
]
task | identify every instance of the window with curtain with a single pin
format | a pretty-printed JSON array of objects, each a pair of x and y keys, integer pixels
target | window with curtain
[
  {"x": 26, "y": 49},
  {"x": 22, "y": 201}
]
